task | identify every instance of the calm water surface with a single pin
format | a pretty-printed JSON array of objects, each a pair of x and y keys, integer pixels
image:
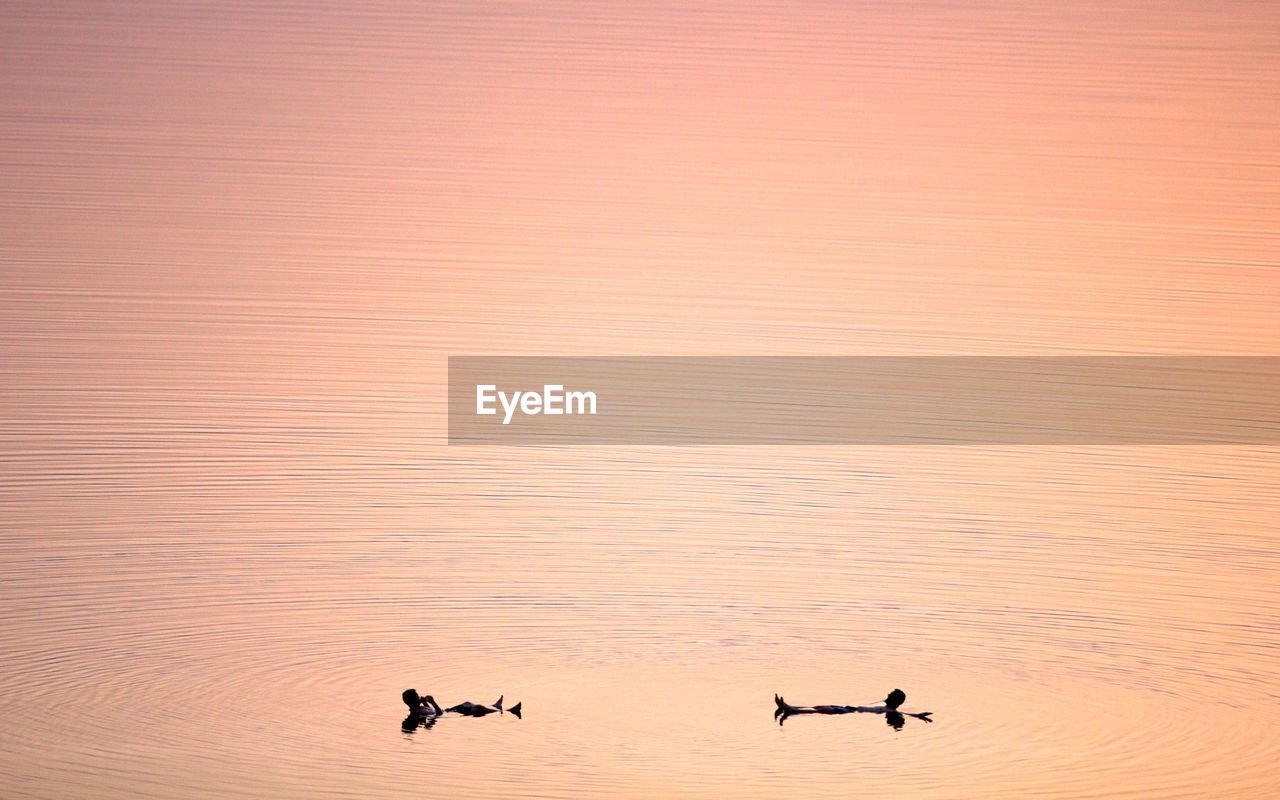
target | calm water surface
[{"x": 238, "y": 244}]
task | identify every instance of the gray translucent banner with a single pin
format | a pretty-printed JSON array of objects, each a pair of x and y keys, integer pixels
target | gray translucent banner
[{"x": 499, "y": 400}]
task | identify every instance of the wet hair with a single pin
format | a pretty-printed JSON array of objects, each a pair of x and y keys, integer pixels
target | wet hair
[
  {"x": 896, "y": 698},
  {"x": 411, "y": 699}
]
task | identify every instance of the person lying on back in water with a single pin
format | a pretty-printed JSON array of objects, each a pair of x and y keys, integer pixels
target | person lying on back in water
[
  {"x": 889, "y": 708},
  {"x": 428, "y": 706}
]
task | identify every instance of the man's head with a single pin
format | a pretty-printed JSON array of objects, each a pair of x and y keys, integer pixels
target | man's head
[
  {"x": 896, "y": 698},
  {"x": 411, "y": 699}
]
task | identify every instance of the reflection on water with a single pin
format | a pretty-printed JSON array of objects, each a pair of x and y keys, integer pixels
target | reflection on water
[
  {"x": 894, "y": 719},
  {"x": 239, "y": 244}
]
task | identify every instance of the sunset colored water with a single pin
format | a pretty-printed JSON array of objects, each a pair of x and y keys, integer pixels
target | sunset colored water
[{"x": 238, "y": 245}]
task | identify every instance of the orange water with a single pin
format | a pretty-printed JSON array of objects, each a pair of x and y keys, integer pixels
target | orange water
[{"x": 237, "y": 246}]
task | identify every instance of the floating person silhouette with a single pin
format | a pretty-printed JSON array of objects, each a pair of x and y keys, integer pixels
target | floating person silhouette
[
  {"x": 427, "y": 708},
  {"x": 895, "y": 718}
]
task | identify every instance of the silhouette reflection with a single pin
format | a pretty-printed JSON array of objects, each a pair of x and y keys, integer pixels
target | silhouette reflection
[
  {"x": 892, "y": 716},
  {"x": 418, "y": 719}
]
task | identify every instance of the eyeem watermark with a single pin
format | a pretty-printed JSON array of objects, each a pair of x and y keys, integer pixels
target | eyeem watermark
[
  {"x": 865, "y": 400},
  {"x": 553, "y": 400}
]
